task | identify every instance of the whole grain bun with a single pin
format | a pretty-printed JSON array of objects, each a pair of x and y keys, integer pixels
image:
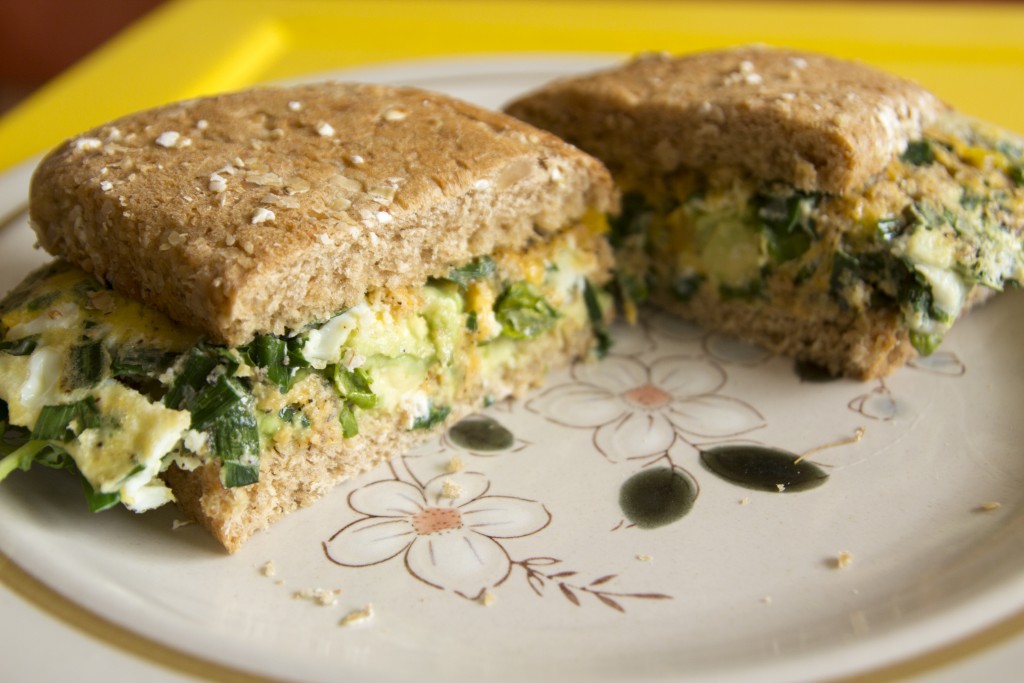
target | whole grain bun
[
  {"x": 815, "y": 122},
  {"x": 263, "y": 210}
]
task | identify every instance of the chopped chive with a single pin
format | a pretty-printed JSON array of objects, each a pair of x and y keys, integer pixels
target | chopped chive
[
  {"x": 42, "y": 301},
  {"x": 434, "y": 416},
  {"x": 523, "y": 312},
  {"x": 97, "y": 502},
  {"x": 272, "y": 353},
  {"x": 594, "y": 311},
  {"x": 21, "y": 458},
  {"x": 634, "y": 219},
  {"x": 223, "y": 410},
  {"x": 472, "y": 324},
  {"x": 20, "y": 347},
  {"x": 596, "y": 315},
  {"x": 632, "y": 290},
  {"x": 233, "y": 474},
  {"x": 354, "y": 385},
  {"x": 296, "y": 359},
  {"x": 216, "y": 400},
  {"x": 889, "y": 227},
  {"x": 925, "y": 344},
  {"x": 85, "y": 364},
  {"x": 1016, "y": 174},
  {"x": 474, "y": 270},
  {"x": 349, "y": 426},
  {"x": 919, "y": 153},
  {"x": 64, "y": 422},
  {"x": 196, "y": 369},
  {"x": 685, "y": 287},
  {"x": 43, "y": 452},
  {"x": 140, "y": 361},
  {"x": 222, "y": 407},
  {"x": 786, "y": 222},
  {"x": 292, "y": 414}
]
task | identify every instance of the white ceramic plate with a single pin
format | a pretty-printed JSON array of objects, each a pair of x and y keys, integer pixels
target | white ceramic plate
[{"x": 543, "y": 569}]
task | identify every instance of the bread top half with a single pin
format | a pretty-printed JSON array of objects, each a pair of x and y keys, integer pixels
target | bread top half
[
  {"x": 815, "y": 122},
  {"x": 265, "y": 210}
]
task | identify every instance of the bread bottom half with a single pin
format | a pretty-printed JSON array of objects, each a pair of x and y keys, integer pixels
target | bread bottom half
[
  {"x": 857, "y": 344},
  {"x": 294, "y": 473}
]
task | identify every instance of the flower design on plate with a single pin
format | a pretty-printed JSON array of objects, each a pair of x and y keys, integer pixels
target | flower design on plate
[
  {"x": 877, "y": 404},
  {"x": 446, "y": 531},
  {"x": 478, "y": 434},
  {"x": 675, "y": 328},
  {"x": 881, "y": 404},
  {"x": 482, "y": 435},
  {"x": 631, "y": 340},
  {"x": 638, "y": 410},
  {"x": 940, "y": 363},
  {"x": 729, "y": 349}
]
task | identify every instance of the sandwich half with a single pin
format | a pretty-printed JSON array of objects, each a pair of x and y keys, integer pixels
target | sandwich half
[
  {"x": 261, "y": 294},
  {"x": 819, "y": 207}
]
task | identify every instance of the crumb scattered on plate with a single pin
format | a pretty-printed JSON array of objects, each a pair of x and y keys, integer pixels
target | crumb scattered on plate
[
  {"x": 843, "y": 560},
  {"x": 450, "y": 489},
  {"x": 178, "y": 523},
  {"x": 645, "y": 558},
  {"x": 320, "y": 596},
  {"x": 357, "y": 615},
  {"x": 268, "y": 568},
  {"x": 744, "y": 501},
  {"x": 487, "y": 598},
  {"x": 990, "y": 506},
  {"x": 780, "y": 487},
  {"x": 454, "y": 465}
]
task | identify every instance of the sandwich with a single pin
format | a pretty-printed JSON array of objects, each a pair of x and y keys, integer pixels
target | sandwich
[
  {"x": 258, "y": 295},
  {"x": 818, "y": 207}
]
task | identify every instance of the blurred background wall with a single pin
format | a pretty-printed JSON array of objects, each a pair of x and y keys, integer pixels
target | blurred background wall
[{"x": 41, "y": 38}]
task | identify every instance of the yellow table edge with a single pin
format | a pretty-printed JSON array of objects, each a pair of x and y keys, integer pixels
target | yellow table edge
[
  {"x": 194, "y": 47},
  {"x": 235, "y": 43}
]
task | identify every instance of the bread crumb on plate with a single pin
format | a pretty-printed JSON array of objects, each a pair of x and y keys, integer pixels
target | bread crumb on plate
[
  {"x": 356, "y": 616},
  {"x": 843, "y": 560}
]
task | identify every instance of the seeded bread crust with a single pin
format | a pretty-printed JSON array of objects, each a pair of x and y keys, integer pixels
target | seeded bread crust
[
  {"x": 295, "y": 473},
  {"x": 264, "y": 210},
  {"x": 815, "y": 122}
]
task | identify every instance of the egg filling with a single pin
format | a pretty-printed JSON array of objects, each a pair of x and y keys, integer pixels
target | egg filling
[
  {"x": 98, "y": 384},
  {"x": 917, "y": 239}
]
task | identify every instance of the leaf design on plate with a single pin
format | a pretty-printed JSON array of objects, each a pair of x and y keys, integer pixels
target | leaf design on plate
[
  {"x": 879, "y": 404},
  {"x": 655, "y": 497},
  {"x": 608, "y": 601},
  {"x": 716, "y": 416},
  {"x": 939, "y": 363},
  {"x": 567, "y": 592},
  {"x": 604, "y": 579},
  {"x": 729, "y": 349},
  {"x": 481, "y": 433},
  {"x": 767, "y": 469}
]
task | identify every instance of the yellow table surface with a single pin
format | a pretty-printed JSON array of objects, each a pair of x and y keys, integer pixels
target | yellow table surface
[{"x": 971, "y": 54}]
